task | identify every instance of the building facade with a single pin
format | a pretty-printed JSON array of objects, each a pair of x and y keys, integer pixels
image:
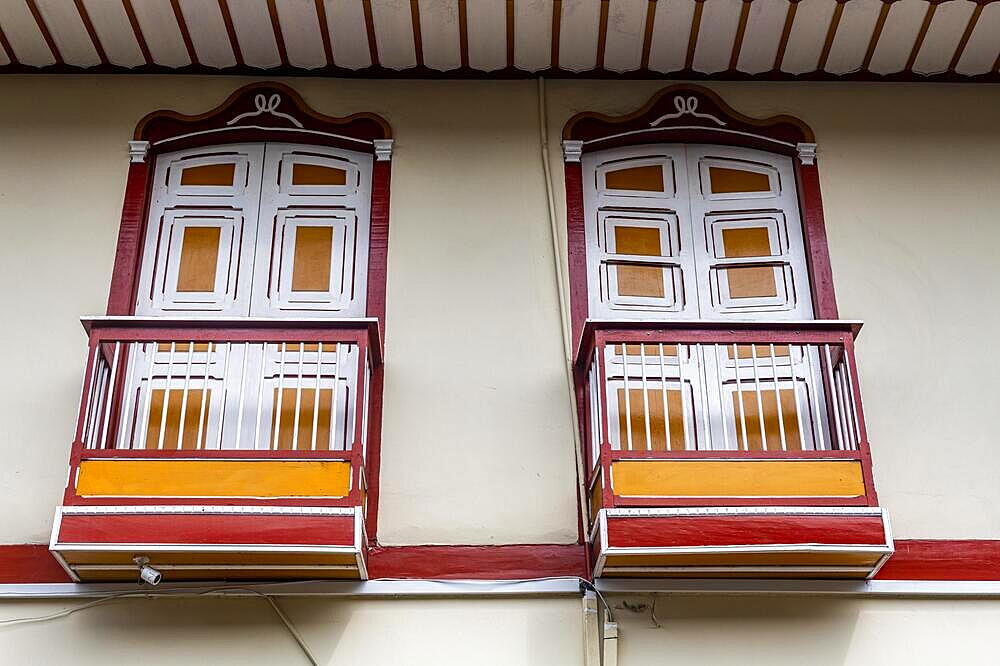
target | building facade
[{"x": 499, "y": 337}]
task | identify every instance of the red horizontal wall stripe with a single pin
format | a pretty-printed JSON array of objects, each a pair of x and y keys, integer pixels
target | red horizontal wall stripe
[
  {"x": 926, "y": 559},
  {"x": 477, "y": 562},
  {"x": 743, "y": 530},
  {"x": 208, "y": 529},
  {"x": 914, "y": 560},
  {"x": 30, "y": 563}
]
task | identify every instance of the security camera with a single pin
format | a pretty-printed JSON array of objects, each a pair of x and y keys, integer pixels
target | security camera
[{"x": 147, "y": 574}]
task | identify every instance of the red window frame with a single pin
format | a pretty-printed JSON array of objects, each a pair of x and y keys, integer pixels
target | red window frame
[
  {"x": 692, "y": 114},
  {"x": 268, "y": 111}
]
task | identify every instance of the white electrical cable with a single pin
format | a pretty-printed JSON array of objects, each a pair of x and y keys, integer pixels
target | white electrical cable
[{"x": 564, "y": 319}]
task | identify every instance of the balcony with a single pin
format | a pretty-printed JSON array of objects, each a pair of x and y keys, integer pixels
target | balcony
[
  {"x": 221, "y": 449},
  {"x": 721, "y": 449}
]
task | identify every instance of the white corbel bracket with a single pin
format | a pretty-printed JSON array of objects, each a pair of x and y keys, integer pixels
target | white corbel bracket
[
  {"x": 572, "y": 150},
  {"x": 807, "y": 152},
  {"x": 137, "y": 151},
  {"x": 383, "y": 150}
]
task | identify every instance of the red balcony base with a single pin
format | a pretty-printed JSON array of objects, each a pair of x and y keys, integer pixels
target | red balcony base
[
  {"x": 189, "y": 543},
  {"x": 753, "y": 542}
]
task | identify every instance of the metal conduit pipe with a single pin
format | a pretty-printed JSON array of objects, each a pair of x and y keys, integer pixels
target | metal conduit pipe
[{"x": 564, "y": 319}]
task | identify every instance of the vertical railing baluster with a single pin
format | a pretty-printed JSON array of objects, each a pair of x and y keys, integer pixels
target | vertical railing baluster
[
  {"x": 147, "y": 407},
  {"x": 854, "y": 406},
  {"x": 166, "y": 395},
  {"x": 795, "y": 393},
  {"x": 316, "y": 393},
  {"x": 777, "y": 397},
  {"x": 260, "y": 393},
  {"x": 739, "y": 397},
  {"x": 595, "y": 413},
  {"x": 836, "y": 407},
  {"x": 200, "y": 444},
  {"x": 721, "y": 393},
  {"x": 87, "y": 400},
  {"x": 95, "y": 411},
  {"x": 241, "y": 401},
  {"x": 281, "y": 395},
  {"x": 335, "y": 394},
  {"x": 127, "y": 391},
  {"x": 815, "y": 393},
  {"x": 184, "y": 397},
  {"x": 225, "y": 397},
  {"x": 706, "y": 409},
  {"x": 628, "y": 405},
  {"x": 110, "y": 394},
  {"x": 760, "y": 403},
  {"x": 663, "y": 394},
  {"x": 689, "y": 444},
  {"x": 645, "y": 396},
  {"x": 298, "y": 398}
]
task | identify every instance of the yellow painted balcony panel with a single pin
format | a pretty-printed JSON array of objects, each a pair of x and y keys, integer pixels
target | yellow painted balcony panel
[
  {"x": 738, "y": 478},
  {"x": 213, "y": 478}
]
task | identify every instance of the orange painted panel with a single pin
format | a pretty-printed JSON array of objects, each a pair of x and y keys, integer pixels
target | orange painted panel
[
  {"x": 196, "y": 574},
  {"x": 842, "y": 559},
  {"x": 317, "y": 174},
  {"x": 772, "y": 425},
  {"x": 638, "y": 240},
  {"x": 639, "y": 179},
  {"x": 596, "y": 495},
  {"x": 640, "y": 281},
  {"x": 312, "y": 259},
  {"x": 751, "y": 282},
  {"x": 213, "y": 478},
  {"x": 199, "y": 259},
  {"x": 731, "y": 181},
  {"x": 208, "y": 558},
  {"x": 178, "y": 433},
  {"x": 286, "y": 434},
  {"x": 738, "y": 478},
  {"x": 209, "y": 174},
  {"x": 746, "y": 242},
  {"x": 657, "y": 433}
]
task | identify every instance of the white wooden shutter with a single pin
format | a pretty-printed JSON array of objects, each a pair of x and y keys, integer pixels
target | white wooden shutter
[
  {"x": 748, "y": 235},
  {"x": 201, "y": 234},
  {"x": 639, "y": 260},
  {"x": 312, "y": 256}
]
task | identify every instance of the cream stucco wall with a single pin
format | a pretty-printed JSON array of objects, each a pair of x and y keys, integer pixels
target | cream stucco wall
[
  {"x": 783, "y": 631},
  {"x": 485, "y": 632},
  {"x": 476, "y": 437},
  {"x": 543, "y": 632}
]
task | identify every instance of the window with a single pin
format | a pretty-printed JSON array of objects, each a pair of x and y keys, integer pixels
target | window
[
  {"x": 251, "y": 230},
  {"x": 693, "y": 232},
  {"x": 259, "y": 229}
]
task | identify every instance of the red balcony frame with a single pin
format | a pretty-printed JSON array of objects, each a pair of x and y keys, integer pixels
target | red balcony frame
[
  {"x": 104, "y": 332},
  {"x": 598, "y": 334}
]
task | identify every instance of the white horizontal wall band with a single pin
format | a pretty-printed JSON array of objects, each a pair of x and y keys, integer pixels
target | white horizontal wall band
[
  {"x": 532, "y": 588},
  {"x": 854, "y": 588},
  {"x": 191, "y": 509},
  {"x": 553, "y": 587},
  {"x": 751, "y": 549},
  {"x": 240, "y": 549},
  {"x": 746, "y": 511}
]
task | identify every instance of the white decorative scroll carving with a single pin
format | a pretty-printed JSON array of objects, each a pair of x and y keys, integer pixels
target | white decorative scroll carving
[
  {"x": 807, "y": 152},
  {"x": 265, "y": 105},
  {"x": 137, "y": 151},
  {"x": 686, "y": 106},
  {"x": 383, "y": 150},
  {"x": 572, "y": 150}
]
